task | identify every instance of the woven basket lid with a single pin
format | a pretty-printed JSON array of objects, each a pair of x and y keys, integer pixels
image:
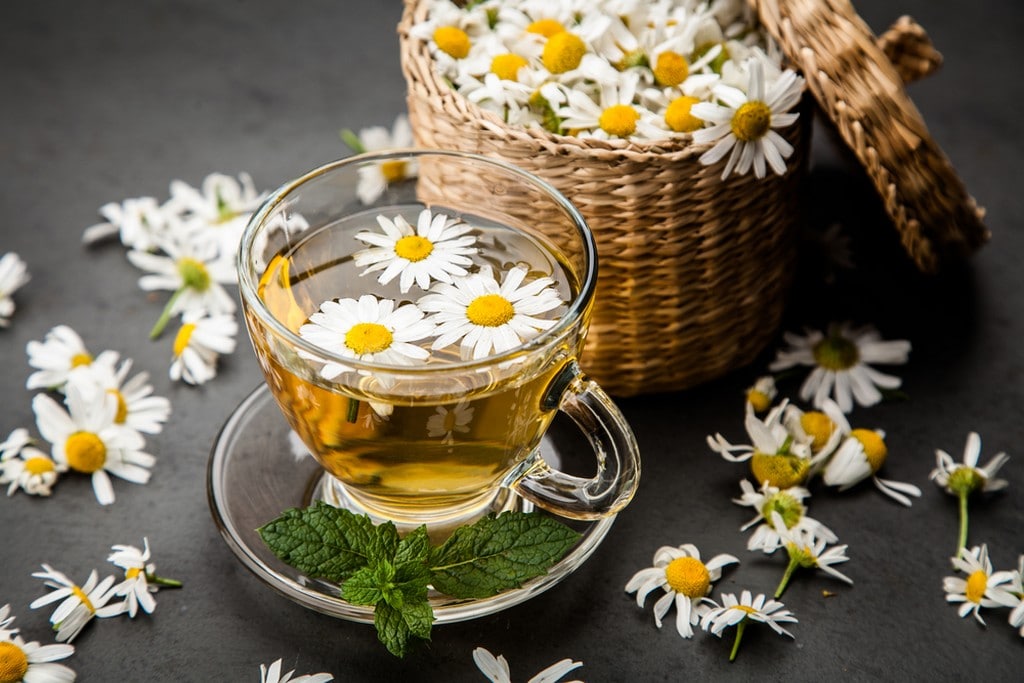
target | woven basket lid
[{"x": 858, "y": 81}]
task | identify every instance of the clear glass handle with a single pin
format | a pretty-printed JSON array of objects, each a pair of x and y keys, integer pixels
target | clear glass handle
[{"x": 615, "y": 447}]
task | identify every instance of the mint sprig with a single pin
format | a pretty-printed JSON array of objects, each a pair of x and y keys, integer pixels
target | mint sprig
[{"x": 376, "y": 567}]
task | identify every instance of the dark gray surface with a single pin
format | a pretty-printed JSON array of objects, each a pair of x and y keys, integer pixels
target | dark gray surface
[{"x": 104, "y": 101}]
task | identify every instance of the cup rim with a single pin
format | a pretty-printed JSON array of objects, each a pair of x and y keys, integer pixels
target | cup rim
[{"x": 247, "y": 284}]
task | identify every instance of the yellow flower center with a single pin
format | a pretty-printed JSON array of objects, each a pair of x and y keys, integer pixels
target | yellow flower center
[
  {"x": 80, "y": 359},
  {"x": 671, "y": 69},
  {"x": 836, "y": 353},
  {"x": 678, "y": 116},
  {"x": 414, "y": 248},
  {"x": 874, "y": 447},
  {"x": 789, "y": 508},
  {"x": 507, "y": 66},
  {"x": 182, "y": 338},
  {"x": 450, "y": 420},
  {"x": 545, "y": 27},
  {"x": 563, "y": 52},
  {"x": 366, "y": 338},
  {"x": 746, "y": 608},
  {"x": 781, "y": 471},
  {"x": 194, "y": 274},
  {"x": 122, "y": 406},
  {"x": 490, "y": 310},
  {"x": 86, "y": 452},
  {"x": 751, "y": 121},
  {"x": 13, "y": 663},
  {"x": 689, "y": 576},
  {"x": 83, "y": 598},
  {"x": 759, "y": 400},
  {"x": 393, "y": 170},
  {"x": 818, "y": 426},
  {"x": 452, "y": 41},
  {"x": 619, "y": 120},
  {"x": 977, "y": 582},
  {"x": 132, "y": 572},
  {"x": 38, "y": 465}
]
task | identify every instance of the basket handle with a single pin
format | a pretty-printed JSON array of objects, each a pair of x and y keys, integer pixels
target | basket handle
[{"x": 910, "y": 50}]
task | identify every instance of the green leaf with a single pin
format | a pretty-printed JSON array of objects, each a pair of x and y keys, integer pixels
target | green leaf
[
  {"x": 352, "y": 140},
  {"x": 498, "y": 553},
  {"x": 367, "y": 585},
  {"x": 415, "y": 546},
  {"x": 322, "y": 541},
  {"x": 385, "y": 542},
  {"x": 396, "y": 627}
]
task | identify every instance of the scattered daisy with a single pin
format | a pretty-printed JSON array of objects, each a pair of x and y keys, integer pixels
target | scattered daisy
[
  {"x": 136, "y": 406},
  {"x": 34, "y": 663},
  {"x": 437, "y": 249},
  {"x": 982, "y": 587},
  {"x": 788, "y": 505},
  {"x": 739, "y": 613},
  {"x": 374, "y": 178},
  {"x": 14, "y": 443},
  {"x": 13, "y": 275},
  {"x": 217, "y": 212},
  {"x": 761, "y": 395},
  {"x": 745, "y": 126},
  {"x": 488, "y": 318},
  {"x": 685, "y": 579},
  {"x": 806, "y": 551},
  {"x": 139, "y": 223},
  {"x": 140, "y": 579},
  {"x": 86, "y": 439},
  {"x": 860, "y": 456},
  {"x": 31, "y": 471},
  {"x": 57, "y": 355},
  {"x": 447, "y": 422},
  {"x": 496, "y": 668},
  {"x": 1016, "y": 618},
  {"x": 822, "y": 429},
  {"x": 7, "y": 629},
  {"x": 273, "y": 675},
  {"x": 775, "y": 455},
  {"x": 200, "y": 341},
  {"x": 79, "y": 604},
  {"x": 840, "y": 361},
  {"x": 370, "y": 330}
]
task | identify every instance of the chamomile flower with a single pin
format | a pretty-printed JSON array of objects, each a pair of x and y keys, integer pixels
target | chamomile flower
[
  {"x": 31, "y": 471},
  {"x": 612, "y": 115},
  {"x": 7, "y": 630},
  {"x": 775, "y": 455},
  {"x": 447, "y": 422},
  {"x": 370, "y": 330},
  {"x": 136, "y": 406},
  {"x": 822, "y": 429},
  {"x": 374, "y": 178},
  {"x": 13, "y": 275},
  {"x": 57, "y": 355},
  {"x": 34, "y": 663},
  {"x": 273, "y": 674},
  {"x": 17, "y": 440},
  {"x": 199, "y": 343},
  {"x": 982, "y": 587},
  {"x": 861, "y": 455},
  {"x": 437, "y": 249},
  {"x": 963, "y": 479},
  {"x": 497, "y": 671},
  {"x": 685, "y": 579},
  {"x": 1016, "y": 617},
  {"x": 86, "y": 440},
  {"x": 78, "y": 604},
  {"x": 739, "y": 613},
  {"x": 840, "y": 361},
  {"x": 216, "y": 212},
  {"x": 140, "y": 223},
  {"x": 807, "y": 551},
  {"x": 788, "y": 504},
  {"x": 761, "y": 395},
  {"x": 487, "y": 317},
  {"x": 140, "y": 579},
  {"x": 744, "y": 126}
]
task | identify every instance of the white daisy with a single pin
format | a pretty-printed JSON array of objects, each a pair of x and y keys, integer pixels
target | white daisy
[
  {"x": 374, "y": 178},
  {"x": 739, "y": 613},
  {"x": 861, "y": 455},
  {"x": 370, "y": 330},
  {"x": 447, "y": 422},
  {"x": 761, "y": 395},
  {"x": 746, "y": 125},
  {"x": 216, "y": 213},
  {"x": 788, "y": 504},
  {"x": 30, "y": 470},
  {"x": 496, "y": 668},
  {"x": 613, "y": 115},
  {"x": 7, "y": 629},
  {"x": 13, "y": 275},
  {"x": 273, "y": 675},
  {"x": 140, "y": 223},
  {"x": 982, "y": 587},
  {"x": 776, "y": 456},
  {"x": 86, "y": 440},
  {"x": 57, "y": 355},
  {"x": 1016, "y": 617},
  {"x": 140, "y": 579},
  {"x": 79, "y": 604},
  {"x": 807, "y": 551},
  {"x": 823, "y": 429},
  {"x": 14, "y": 443},
  {"x": 438, "y": 248},
  {"x": 136, "y": 406},
  {"x": 966, "y": 477},
  {"x": 840, "y": 362},
  {"x": 685, "y": 579},
  {"x": 35, "y": 663},
  {"x": 200, "y": 341},
  {"x": 488, "y": 318}
]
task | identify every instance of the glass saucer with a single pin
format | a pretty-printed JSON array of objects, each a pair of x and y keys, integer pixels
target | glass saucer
[{"x": 254, "y": 474}]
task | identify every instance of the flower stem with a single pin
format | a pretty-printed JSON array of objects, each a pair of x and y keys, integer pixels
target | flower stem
[
  {"x": 739, "y": 636},
  {"x": 165, "y": 315},
  {"x": 353, "y": 410},
  {"x": 962, "y": 540},
  {"x": 793, "y": 564},
  {"x": 162, "y": 581}
]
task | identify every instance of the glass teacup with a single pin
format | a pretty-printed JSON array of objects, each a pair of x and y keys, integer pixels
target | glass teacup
[{"x": 418, "y": 316}]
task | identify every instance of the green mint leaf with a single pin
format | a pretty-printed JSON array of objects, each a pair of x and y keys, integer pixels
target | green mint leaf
[
  {"x": 367, "y": 585},
  {"x": 419, "y": 617},
  {"x": 498, "y": 553},
  {"x": 395, "y": 627},
  {"x": 323, "y": 541},
  {"x": 385, "y": 542},
  {"x": 414, "y": 547}
]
